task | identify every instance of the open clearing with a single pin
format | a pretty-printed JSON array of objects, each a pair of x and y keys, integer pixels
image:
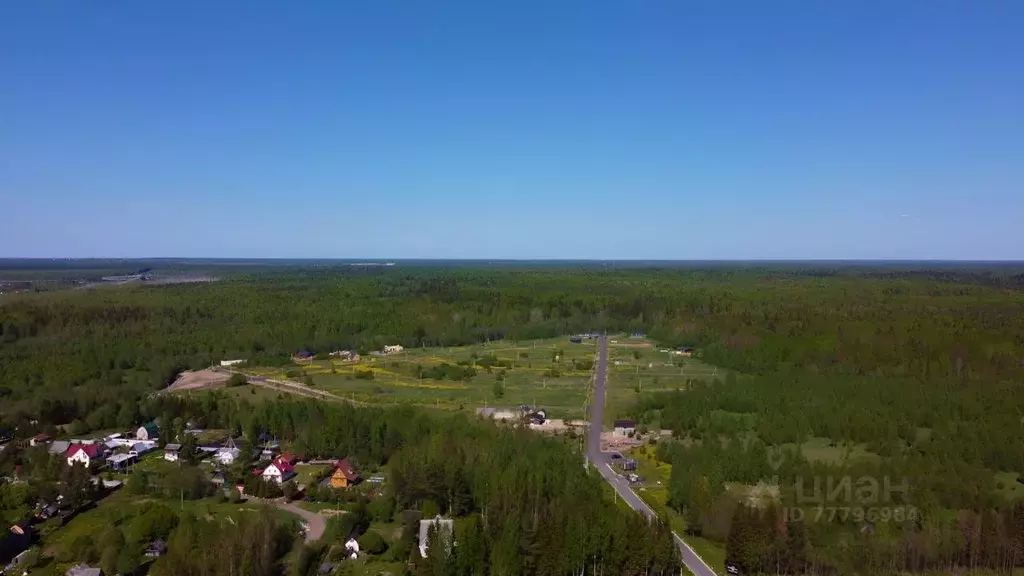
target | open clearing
[
  {"x": 638, "y": 365},
  {"x": 198, "y": 380},
  {"x": 553, "y": 374}
]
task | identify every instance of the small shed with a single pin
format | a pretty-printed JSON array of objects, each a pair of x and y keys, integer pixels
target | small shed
[{"x": 171, "y": 452}]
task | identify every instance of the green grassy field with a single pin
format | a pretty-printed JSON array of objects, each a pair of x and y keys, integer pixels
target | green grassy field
[
  {"x": 553, "y": 374},
  {"x": 638, "y": 365},
  {"x": 305, "y": 473},
  {"x": 1008, "y": 486}
]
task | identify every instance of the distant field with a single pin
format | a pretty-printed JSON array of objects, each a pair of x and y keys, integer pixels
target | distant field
[
  {"x": 531, "y": 374},
  {"x": 638, "y": 365}
]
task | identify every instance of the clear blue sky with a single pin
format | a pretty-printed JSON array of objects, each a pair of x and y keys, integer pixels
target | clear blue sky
[{"x": 682, "y": 129}]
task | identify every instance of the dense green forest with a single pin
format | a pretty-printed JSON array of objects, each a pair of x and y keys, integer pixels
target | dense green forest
[
  {"x": 77, "y": 354},
  {"x": 920, "y": 368}
]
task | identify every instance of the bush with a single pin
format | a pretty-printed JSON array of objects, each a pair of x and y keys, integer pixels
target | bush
[
  {"x": 156, "y": 521},
  {"x": 372, "y": 543},
  {"x": 364, "y": 374},
  {"x": 293, "y": 373},
  {"x": 290, "y": 490},
  {"x": 381, "y": 509},
  {"x": 237, "y": 380},
  {"x": 430, "y": 509}
]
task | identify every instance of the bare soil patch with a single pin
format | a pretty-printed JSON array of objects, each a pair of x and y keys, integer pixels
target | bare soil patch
[{"x": 198, "y": 380}]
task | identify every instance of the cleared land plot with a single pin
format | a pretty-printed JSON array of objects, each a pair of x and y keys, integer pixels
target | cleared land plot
[
  {"x": 1009, "y": 486},
  {"x": 638, "y": 366},
  {"x": 198, "y": 380},
  {"x": 553, "y": 374}
]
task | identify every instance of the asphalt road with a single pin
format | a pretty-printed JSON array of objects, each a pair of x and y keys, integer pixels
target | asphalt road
[
  {"x": 315, "y": 523},
  {"x": 602, "y": 461}
]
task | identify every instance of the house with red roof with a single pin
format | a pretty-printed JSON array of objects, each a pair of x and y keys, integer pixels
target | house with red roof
[
  {"x": 279, "y": 471},
  {"x": 85, "y": 454},
  {"x": 39, "y": 439}
]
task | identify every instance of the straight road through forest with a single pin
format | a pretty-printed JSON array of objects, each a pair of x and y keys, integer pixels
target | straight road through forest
[{"x": 602, "y": 461}]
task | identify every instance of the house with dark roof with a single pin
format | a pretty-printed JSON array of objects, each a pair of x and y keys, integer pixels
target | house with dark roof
[
  {"x": 625, "y": 427},
  {"x": 120, "y": 462}
]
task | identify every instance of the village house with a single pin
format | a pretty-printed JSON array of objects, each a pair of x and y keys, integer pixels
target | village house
[
  {"x": 395, "y": 349},
  {"x": 343, "y": 475},
  {"x": 147, "y": 432},
  {"x": 85, "y": 454},
  {"x": 227, "y": 456},
  {"x": 231, "y": 362},
  {"x": 171, "y": 452},
  {"x": 58, "y": 447},
  {"x": 120, "y": 462},
  {"x": 39, "y": 439},
  {"x": 445, "y": 529},
  {"x": 140, "y": 448},
  {"x": 625, "y": 427},
  {"x": 279, "y": 471},
  {"x": 302, "y": 356}
]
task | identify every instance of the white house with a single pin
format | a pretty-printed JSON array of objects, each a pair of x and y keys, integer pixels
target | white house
[
  {"x": 227, "y": 456},
  {"x": 230, "y": 362},
  {"x": 84, "y": 454},
  {"x": 393, "y": 349},
  {"x": 352, "y": 548},
  {"x": 278, "y": 471},
  {"x": 445, "y": 529}
]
